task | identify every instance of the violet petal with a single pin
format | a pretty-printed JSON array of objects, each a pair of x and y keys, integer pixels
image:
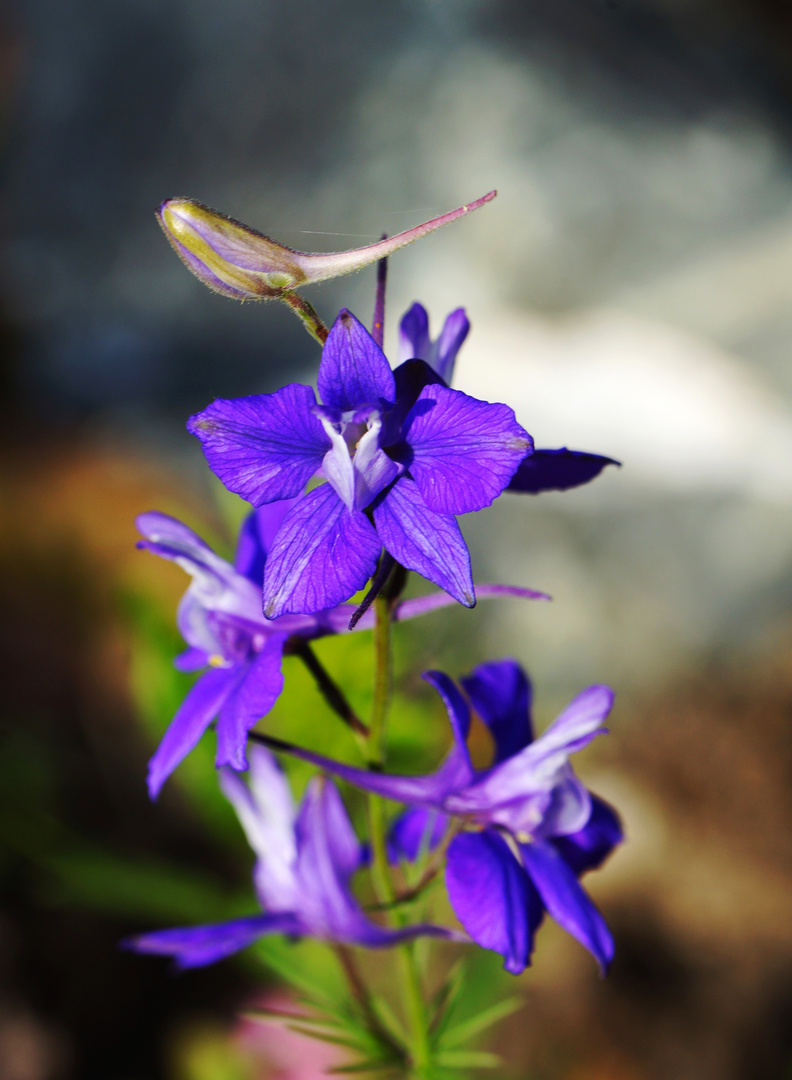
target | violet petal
[
  {"x": 197, "y": 946},
  {"x": 462, "y": 452},
  {"x": 566, "y": 901},
  {"x": 191, "y": 660},
  {"x": 266, "y": 812},
  {"x": 193, "y": 717},
  {"x": 252, "y": 697},
  {"x": 424, "y": 541},
  {"x": 264, "y": 447},
  {"x": 414, "y": 831},
  {"x": 422, "y": 605},
  {"x": 256, "y": 536},
  {"x": 493, "y": 897},
  {"x": 321, "y": 555},
  {"x": 456, "y": 771},
  {"x": 501, "y": 694},
  {"x": 414, "y": 341},
  {"x": 353, "y": 370},
  {"x": 452, "y": 337},
  {"x": 590, "y": 846}
]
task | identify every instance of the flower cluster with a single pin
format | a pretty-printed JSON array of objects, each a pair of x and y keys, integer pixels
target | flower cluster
[{"x": 352, "y": 491}]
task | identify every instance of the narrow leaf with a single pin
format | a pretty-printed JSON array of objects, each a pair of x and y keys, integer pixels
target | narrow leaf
[
  {"x": 469, "y": 1059},
  {"x": 468, "y": 1029}
]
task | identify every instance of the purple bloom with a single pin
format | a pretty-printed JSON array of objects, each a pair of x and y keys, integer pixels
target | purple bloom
[
  {"x": 402, "y": 454},
  {"x": 305, "y": 861},
  {"x": 537, "y": 827},
  {"x": 221, "y": 620},
  {"x": 440, "y": 354},
  {"x": 543, "y": 470}
]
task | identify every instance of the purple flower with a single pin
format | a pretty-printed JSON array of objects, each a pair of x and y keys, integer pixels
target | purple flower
[
  {"x": 543, "y": 470},
  {"x": 305, "y": 861},
  {"x": 536, "y": 827},
  {"x": 440, "y": 354},
  {"x": 221, "y": 620},
  {"x": 402, "y": 454}
]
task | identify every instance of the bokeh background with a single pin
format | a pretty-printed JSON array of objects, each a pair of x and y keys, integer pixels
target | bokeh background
[{"x": 631, "y": 294}]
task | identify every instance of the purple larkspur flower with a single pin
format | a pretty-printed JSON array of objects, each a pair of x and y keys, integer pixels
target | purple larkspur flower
[
  {"x": 305, "y": 860},
  {"x": 543, "y": 470},
  {"x": 401, "y": 455},
  {"x": 534, "y": 828},
  {"x": 221, "y": 621}
]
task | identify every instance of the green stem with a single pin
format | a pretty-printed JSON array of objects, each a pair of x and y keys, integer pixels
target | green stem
[
  {"x": 310, "y": 320},
  {"x": 383, "y": 886},
  {"x": 383, "y": 681},
  {"x": 420, "y": 1051}
]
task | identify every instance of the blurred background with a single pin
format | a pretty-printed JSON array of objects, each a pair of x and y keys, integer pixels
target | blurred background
[{"x": 631, "y": 294}]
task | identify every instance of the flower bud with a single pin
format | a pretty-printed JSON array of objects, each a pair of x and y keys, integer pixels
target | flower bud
[{"x": 237, "y": 261}]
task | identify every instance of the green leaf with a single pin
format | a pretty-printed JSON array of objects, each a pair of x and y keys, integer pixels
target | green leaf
[
  {"x": 373, "y": 1065},
  {"x": 469, "y": 1029},
  {"x": 469, "y": 1059},
  {"x": 389, "y": 1019},
  {"x": 325, "y": 1036},
  {"x": 445, "y": 999}
]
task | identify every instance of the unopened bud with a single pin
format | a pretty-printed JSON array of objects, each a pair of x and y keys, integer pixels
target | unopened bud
[{"x": 240, "y": 262}]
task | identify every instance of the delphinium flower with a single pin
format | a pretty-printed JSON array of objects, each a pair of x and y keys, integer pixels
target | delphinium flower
[
  {"x": 543, "y": 470},
  {"x": 305, "y": 860},
  {"x": 531, "y": 827},
  {"x": 222, "y": 623},
  {"x": 401, "y": 455}
]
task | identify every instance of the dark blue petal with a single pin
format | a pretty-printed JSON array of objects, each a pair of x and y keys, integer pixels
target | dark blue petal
[
  {"x": 264, "y": 447},
  {"x": 411, "y": 377},
  {"x": 423, "y": 540},
  {"x": 194, "y": 716},
  {"x": 252, "y": 697},
  {"x": 323, "y": 553},
  {"x": 589, "y": 848},
  {"x": 460, "y": 451},
  {"x": 493, "y": 897},
  {"x": 557, "y": 470},
  {"x": 197, "y": 946},
  {"x": 501, "y": 695},
  {"x": 566, "y": 901},
  {"x": 415, "y": 831},
  {"x": 353, "y": 370},
  {"x": 256, "y": 537}
]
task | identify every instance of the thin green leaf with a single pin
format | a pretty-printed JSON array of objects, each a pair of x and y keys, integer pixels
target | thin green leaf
[
  {"x": 374, "y": 1065},
  {"x": 469, "y": 1059},
  {"x": 389, "y": 1019},
  {"x": 469, "y": 1029},
  {"x": 266, "y": 1015},
  {"x": 445, "y": 999},
  {"x": 323, "y": 1036}
]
